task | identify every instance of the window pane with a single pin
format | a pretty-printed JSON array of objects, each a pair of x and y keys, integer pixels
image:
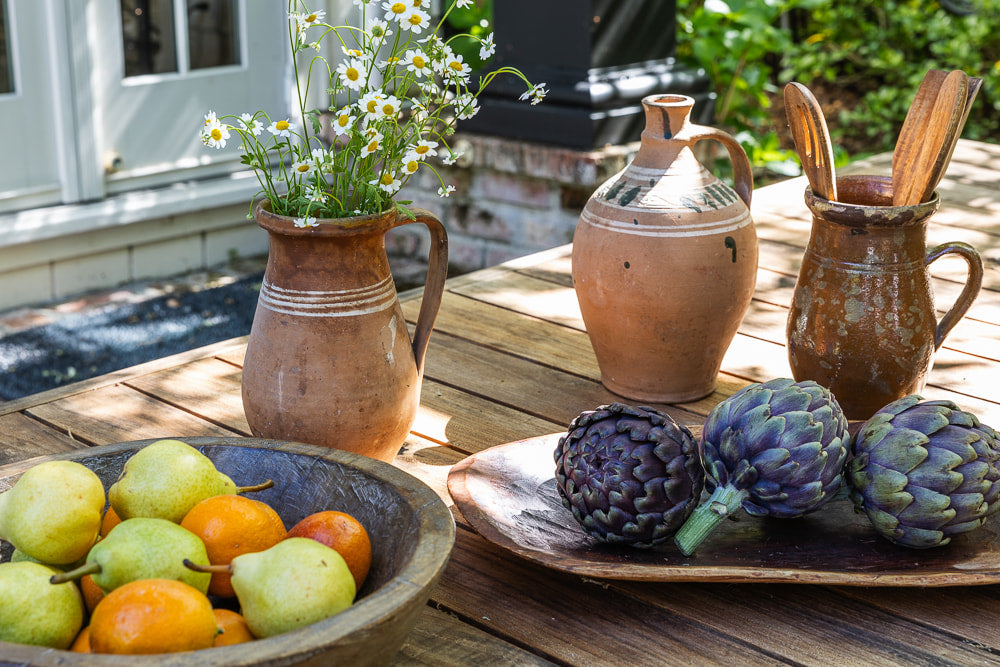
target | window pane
[
  {"x": 148, "y": 37},
  {"x": 6, "y": 77},
  {"x": 212, "y": 37}
]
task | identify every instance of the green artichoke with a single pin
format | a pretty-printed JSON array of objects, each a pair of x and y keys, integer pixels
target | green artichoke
[
  {"x": 775, "y": 449},
  {"x": 924, "y": 471},
  {"x": 630, "y": 475}
]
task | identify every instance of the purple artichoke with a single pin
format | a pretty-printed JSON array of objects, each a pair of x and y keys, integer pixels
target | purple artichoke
[
  {"x": 775, "y": 449},
  {"x": 630, "y": 475},
  {"x": 925, "y": 471}
]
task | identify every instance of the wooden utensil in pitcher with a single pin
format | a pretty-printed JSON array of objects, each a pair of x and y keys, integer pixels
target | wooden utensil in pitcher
[
  {"x": 812, "y": 139},
  {"x": 927, "y": 139}
]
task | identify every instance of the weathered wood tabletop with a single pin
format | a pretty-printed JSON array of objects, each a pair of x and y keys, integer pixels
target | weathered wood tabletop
[{"x": 509, "y": 359}]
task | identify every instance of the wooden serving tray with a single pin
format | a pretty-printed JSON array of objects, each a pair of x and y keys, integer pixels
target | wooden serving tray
[{"x": 508, "y": 494}]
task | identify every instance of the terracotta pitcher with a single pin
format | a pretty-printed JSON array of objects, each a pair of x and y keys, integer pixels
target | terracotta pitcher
[
  {"x": 665, "y": 261},
  {"x": 329, "y": 360},
  {"x": 862, "y": 318}
]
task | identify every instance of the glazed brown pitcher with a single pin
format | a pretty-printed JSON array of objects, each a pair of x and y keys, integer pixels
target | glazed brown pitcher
[
  {"x": 862, "y": 319},
  {"x": 329, "y": 360},
  {"x": 665, "y": 261}
]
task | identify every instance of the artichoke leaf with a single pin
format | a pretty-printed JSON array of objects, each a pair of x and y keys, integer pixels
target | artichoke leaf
[
  {"x": 801, "y": 430},
  {"x": 767, "y": 461},
  {"x": 902, "y": 453},
  {"x": 759, "y": 435},
  {"x": 927, "y": 421},
  {"x": 918, "y": 538}
]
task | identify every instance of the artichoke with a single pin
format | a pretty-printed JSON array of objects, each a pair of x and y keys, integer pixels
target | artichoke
[
  {"x": 630, "y": 475},
  {"x": 775, "y": 449},
  {"x": 924, "y": 471}
]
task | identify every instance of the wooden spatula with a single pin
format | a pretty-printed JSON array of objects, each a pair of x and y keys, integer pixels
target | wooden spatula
[
  {"x": 974, "y": 85},
  {"x": 812, "y": 139},
  {"x": 926, "y": 140}
]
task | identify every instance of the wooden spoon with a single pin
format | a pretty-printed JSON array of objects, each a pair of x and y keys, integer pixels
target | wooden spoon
[
  {"x": 812, "y": 139},
  {"x": 974, "y": 85},
  {"x": 924, "y": 144}
]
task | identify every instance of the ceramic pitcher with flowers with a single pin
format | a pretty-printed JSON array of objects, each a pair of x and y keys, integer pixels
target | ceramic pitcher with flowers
[{"x": 329, "y": 360}]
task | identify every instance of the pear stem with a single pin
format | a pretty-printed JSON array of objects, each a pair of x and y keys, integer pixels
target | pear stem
[
  {"x": 722, "y": 503},
  {"x": 209, "y": 569},
  {"x": 255, "y": 487},
  {"x": 78, "y": 573}
]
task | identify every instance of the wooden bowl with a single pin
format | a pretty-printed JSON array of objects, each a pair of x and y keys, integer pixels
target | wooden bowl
[{"x": 411, "y": 530}]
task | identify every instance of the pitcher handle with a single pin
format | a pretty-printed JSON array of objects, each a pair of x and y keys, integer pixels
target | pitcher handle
[
  {"x": 437, "y": 272},
  {"x": 969, "y": 293},
  {"x": 742, "y": 172}
]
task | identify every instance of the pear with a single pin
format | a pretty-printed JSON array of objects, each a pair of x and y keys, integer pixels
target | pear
[
  {"x": 143, "y": 548},
  {"x": 53, "y": 512},
  {"x": 166, "y": 479},
  {"x": 33, "y": 611},
  {"x": 293, "y": 584}
]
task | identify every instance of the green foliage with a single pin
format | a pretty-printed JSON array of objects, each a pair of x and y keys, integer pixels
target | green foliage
[
  {"x": 879, "y": 51},
  {"x": 865, "y": 59}
]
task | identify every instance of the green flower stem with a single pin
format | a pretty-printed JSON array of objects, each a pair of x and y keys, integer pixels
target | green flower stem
[{"x": 722, "y": 503}]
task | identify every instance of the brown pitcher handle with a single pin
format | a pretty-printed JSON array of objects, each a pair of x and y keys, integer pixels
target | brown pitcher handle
[
  {"x": 969, "y": 292},
  {"x": 437, "y": 272},
  {"x": 742, "y": 172}
]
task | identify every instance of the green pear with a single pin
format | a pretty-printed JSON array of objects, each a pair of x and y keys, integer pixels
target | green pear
[
  {"x": 18, "y": 556},
  {"x": 143, "y": 548},
  {"x": 166, "y": 479},
  {"x": 293, "y": 584},
  {"x": 53, "y": 512},
  {"x": 33, "y": 611}
]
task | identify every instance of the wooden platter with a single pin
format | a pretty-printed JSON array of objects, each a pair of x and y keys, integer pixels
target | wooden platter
[{"x": 508, "y": 494}]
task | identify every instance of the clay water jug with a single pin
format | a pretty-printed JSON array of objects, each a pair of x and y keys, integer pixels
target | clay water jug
[
  {"x": 862, "y": 319},
  {"x": 329, "y": 360},
  {"x": 665, "y": 261}
]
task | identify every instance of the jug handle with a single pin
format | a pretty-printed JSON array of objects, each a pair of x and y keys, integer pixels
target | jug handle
[
  {"x": 742, "y": 172},
  {"x": 437, "y": 272},
  {"x": 969, "y": 293}
]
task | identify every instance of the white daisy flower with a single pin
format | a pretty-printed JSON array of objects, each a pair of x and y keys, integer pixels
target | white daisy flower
[
  {"x": 422, "y": 149},
  {"x": 466, "y": 106},
  {"x": 452, "y": 158},
  {"x": 388, "y": 107},
  {"x": 303, "y": 168},
  {"x": 444, "y": 191},
  {"x": 211, "y": 119},
  {"x": 378, "y": 28},
  {"x": 320, "y": 156},
  {"x": 410, "y": 166},
  {"x": 417, "y": 62},
  {"x": 371, "y": 102},
  {"x": 251, "y": 124},
  {"x": 307, "y": 221},
  {"x": 456, "y": 69},
  {"x": 535, "y": 93},
  {"x": 487, "y": 48},
  {"x": 281, "y": 128},
  {"x": 215, "y": 135},
  {"x": 387, "y": 183},
  {"x": 415, "y": 20},
  {"x": 394, "y": 11},
  {"x": 315, "y": 194},
  {"x": 374, "y": 144},
  {"x": 352, "y": 73},
  {"x": 344, "y": 120},
  {"x": 462, "y": 4}
]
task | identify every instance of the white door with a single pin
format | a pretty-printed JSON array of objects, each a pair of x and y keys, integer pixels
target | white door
[
  {"x": 160, "y": 65},
  {"x": 30, "y": 166}
]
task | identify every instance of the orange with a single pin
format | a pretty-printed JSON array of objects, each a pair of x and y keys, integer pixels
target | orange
[
  {"x": 82, "y": 642},
  {"x": 231, "y": 525},
  {"x": 342, "y": 533},
  {"x": 234, "y": 628},
  {"x": 110, "y": 520},
  {"x": 92, "y": 593},
  {"x": 152, "y": 616}
]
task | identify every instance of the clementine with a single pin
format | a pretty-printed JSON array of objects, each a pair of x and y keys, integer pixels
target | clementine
[
  {"x": 152, "y": 616},
  {"x": 110, "y": 520},
  {"x": 82, "y": 642},
  {"x": 342, "y": 533},
  {"x": 92, "y": 593},
  {"x": 234, "y": 628},
  {"x": 231, "y": 525}
]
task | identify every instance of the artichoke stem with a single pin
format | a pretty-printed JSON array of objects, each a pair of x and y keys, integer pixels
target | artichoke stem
[{"x": 723, "y": 502}]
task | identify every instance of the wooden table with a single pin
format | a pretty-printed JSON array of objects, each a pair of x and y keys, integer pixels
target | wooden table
[{"x": 509, "y": 359}]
